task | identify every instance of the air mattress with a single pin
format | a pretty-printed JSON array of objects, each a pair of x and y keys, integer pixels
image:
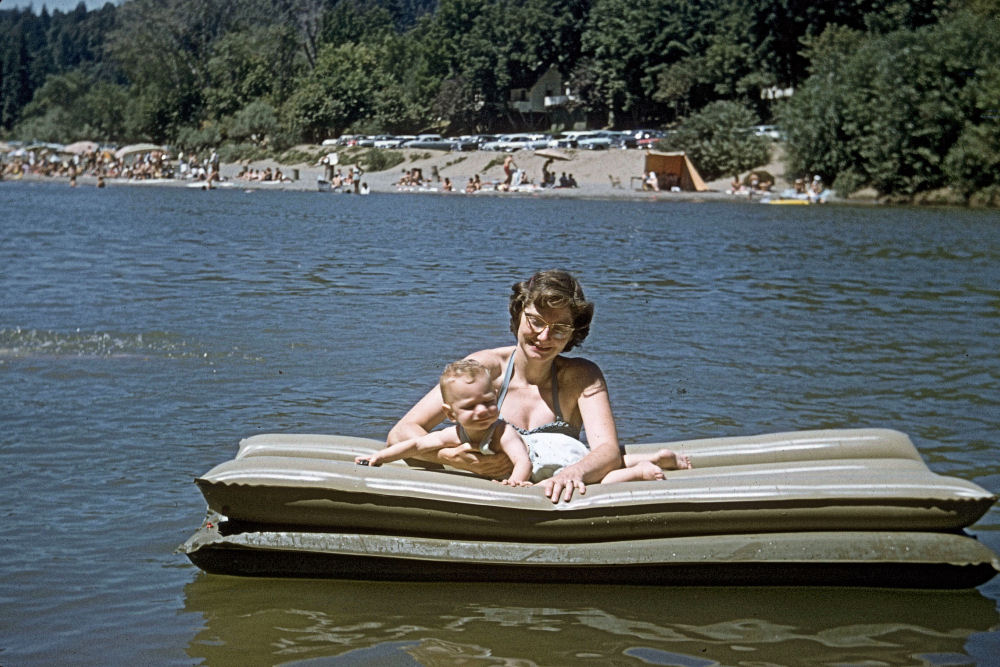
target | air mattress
[{"x": 823, "y": 501}]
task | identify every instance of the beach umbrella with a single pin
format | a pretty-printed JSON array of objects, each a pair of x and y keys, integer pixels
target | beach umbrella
[
  {"x": 81, "y": 147},
  {"x": 552, "y": 154},
  {"x": 137, "y": 148},
  {"x": 43, "y": 148}
]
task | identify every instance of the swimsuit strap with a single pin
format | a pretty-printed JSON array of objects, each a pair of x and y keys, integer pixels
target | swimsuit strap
[
  {"x": 555, "y": 393},
  {"x": 509, "y": 373},
  {"x": 484, "y": 446}
]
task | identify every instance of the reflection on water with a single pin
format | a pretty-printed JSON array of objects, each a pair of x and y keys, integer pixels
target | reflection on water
[{"x": 313, "y": 622}]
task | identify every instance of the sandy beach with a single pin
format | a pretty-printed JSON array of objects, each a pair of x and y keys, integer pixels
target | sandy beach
[{"x": 600, "y": 174}]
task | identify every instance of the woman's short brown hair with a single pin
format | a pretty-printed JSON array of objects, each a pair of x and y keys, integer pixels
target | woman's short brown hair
[{"x": 553, "y": 289}]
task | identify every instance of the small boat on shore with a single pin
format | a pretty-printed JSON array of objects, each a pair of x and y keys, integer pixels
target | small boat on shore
[{"x": 814, "y": 507}]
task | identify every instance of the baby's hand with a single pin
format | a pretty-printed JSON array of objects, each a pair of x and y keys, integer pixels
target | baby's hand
[{"x": 511, "y": 482}]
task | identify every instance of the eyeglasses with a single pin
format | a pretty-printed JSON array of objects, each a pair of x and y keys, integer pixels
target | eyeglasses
[{"x": 538, "y": 325}]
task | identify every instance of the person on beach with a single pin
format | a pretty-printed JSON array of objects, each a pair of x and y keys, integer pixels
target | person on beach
[
  {"x": 547, "y": 397},
  {"x": 470, "y": 400},
  {"x": 508, "y": 169},
  {"x": 548, "y": 178},
  {"x": 653, "y": 182}
]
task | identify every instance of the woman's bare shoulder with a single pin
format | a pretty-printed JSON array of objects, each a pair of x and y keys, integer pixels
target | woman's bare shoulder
[
  {"x": 495, "y": 359},
  {"x": 578, "y": 372},
  {"x": 577, "y": 365}
]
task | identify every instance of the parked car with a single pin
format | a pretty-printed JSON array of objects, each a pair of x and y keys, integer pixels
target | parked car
[
  {"x": 563, "y": 140},
  {"x": 463, "y": 143},
  {"x": 514, "y": 142},
  {"x": 437, "y": 143},
  {"x": 387, "y": 141},
  {"x": 481, "y": 139},
  {"x": 596, "y": 140},
  {"x": 647, "y": 138},
  {"x": 421, "y": 139},
  {"x": 769, "y": 131},
  {"x": 622, "y": 139}
]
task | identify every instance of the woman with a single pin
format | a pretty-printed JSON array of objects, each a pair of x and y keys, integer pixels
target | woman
[{"x": 540, "y": 391}]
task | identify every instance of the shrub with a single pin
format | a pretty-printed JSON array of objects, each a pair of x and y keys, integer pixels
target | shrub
[
  {"x": 718, "y": 142},
  {"x": 255, "y": 122},
  {"x": 907, "y": 112},
  {"x": 199, "y": 138},
  {"x": 239, "y": 152},
  {"x": 377, "y": 159}
]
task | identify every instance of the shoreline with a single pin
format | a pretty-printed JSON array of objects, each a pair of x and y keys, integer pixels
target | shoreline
[{"x": 601, "y": 175}]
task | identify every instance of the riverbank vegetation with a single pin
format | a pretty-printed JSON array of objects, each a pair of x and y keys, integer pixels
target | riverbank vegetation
[{"x": 895, "y": 95}]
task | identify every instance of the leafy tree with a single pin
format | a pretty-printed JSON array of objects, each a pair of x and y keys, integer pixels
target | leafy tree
[
  {"x": 15, "y": 88},
  {"x": 718, "y": 141},
  {"x": 463, "y": 43},
  {"x": 74, "y": 106},
  {"x": 306, "y": 17},
  {"x": 824, "y": 112},
  {"x": 482, "y": 49},
  {"x": 348, "y": 21},
  {"x": 886, "y": 110},
  {"x": 255, "y": 122},
  {"x": 338, "y": 92},
  {"x": 165, "y": 49},
  {"x": 973, "y": 163},
  {"x": 258, "y": 63},
  {"x": 403, "y": 98},
  {"x": 202, "y": 138},
  {"x": 626, "y": 46}
]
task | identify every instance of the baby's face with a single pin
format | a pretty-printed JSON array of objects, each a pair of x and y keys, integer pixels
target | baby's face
[{"x": 473, "y": 404}]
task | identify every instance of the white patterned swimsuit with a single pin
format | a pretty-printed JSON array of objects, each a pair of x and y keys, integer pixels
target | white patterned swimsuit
[{"x": 551, "y": 446}]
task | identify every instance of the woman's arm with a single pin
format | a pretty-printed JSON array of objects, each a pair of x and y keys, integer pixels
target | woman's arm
[
  {"x": 428, "y": 413},
  {"x": 594, "y": 405},
  {"x": 420, "y": 419}
]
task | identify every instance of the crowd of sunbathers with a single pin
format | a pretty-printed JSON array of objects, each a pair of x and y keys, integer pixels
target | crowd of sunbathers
[
  {"x": 100, "y": 163},
  {"x": 266, "y": 174}
]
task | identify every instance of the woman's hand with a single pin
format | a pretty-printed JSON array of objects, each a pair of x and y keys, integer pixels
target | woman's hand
[
  {"x": 465, "y": 457},
  {"x": 561, "y": 485}
]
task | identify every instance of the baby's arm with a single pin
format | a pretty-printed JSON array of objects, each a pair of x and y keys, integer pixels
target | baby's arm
[
  {"x": 513, "y": 446},
  {"x": 391, "y": 453},
  {"x": 407, "y": 448}
]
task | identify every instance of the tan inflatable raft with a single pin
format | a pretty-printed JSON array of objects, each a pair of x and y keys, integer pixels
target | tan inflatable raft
[{"x": 839, "y": 506}]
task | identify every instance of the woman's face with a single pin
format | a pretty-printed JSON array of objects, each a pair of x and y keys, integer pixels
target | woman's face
[{"x": 544, "y": 332}]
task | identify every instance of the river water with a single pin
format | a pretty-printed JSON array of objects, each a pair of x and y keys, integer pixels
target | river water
[{"x": 144, "y": 331}]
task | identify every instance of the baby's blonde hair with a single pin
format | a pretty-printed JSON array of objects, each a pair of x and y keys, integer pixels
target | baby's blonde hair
[{"x": 469, "y": 369}]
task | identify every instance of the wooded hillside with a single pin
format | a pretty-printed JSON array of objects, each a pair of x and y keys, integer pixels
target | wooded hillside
[{"x": 896, "y": 94}]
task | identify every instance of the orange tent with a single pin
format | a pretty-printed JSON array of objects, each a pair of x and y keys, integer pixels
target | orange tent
[{"x": 674, "y": 168}]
